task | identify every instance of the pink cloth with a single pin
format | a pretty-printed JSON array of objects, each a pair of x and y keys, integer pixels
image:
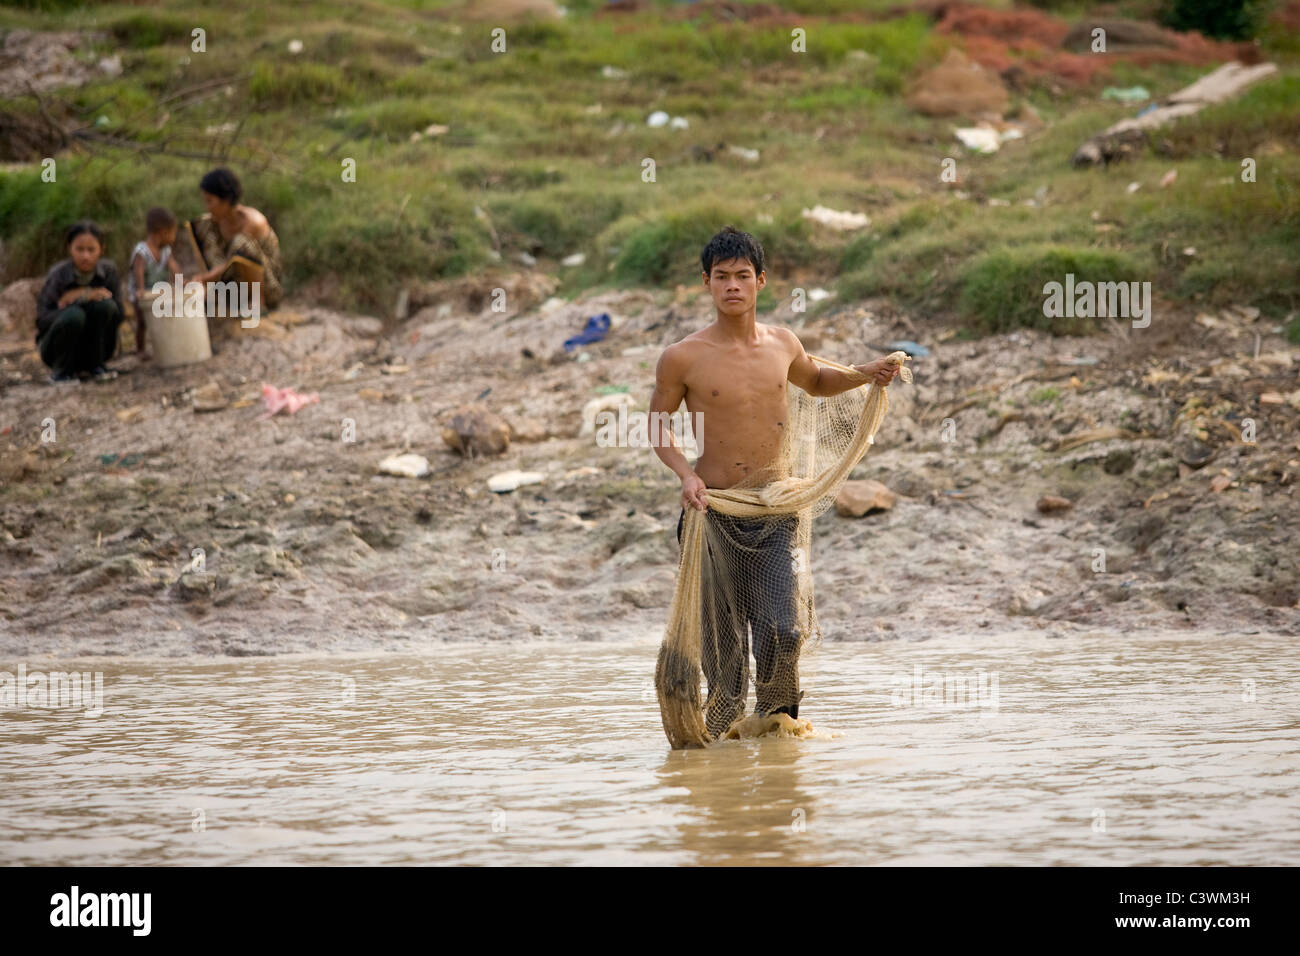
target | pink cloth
[{"x": 284, "y": 400}]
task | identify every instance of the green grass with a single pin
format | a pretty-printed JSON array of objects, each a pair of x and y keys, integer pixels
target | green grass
[{"x": 551, "y": 152}]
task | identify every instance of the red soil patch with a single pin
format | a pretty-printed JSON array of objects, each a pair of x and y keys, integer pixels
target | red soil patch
[{"x": 1027, "y": 43}]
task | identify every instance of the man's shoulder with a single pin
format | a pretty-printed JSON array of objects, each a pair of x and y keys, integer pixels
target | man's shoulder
[
  {"x": 785, "y": 338},
  {"x": 676, "y": 359}
]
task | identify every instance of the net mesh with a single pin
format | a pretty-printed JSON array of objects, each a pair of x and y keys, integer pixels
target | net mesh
[{"x": 744, "y": 584}]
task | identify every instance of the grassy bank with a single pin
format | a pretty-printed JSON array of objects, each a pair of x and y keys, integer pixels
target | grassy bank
[{"x": 545, "y": 146}]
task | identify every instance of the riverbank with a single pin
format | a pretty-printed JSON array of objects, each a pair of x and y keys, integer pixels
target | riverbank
[{"x": 305, "y": 547}]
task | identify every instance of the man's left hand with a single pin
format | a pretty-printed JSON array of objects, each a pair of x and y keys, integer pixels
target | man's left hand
[{"x": 879, "y": 372}]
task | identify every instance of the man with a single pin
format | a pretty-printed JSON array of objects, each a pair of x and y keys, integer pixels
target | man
[{"x": 732, "y": 375}]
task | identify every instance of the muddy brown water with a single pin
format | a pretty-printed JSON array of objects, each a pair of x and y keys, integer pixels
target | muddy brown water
[{"x": 1011, "y": 749}]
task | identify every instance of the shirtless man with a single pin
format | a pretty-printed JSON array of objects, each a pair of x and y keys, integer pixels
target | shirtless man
[{"x": 733, "y": 376}]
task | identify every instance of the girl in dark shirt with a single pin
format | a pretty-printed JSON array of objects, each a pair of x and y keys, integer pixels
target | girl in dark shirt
[{"x": 80, "y": 308}]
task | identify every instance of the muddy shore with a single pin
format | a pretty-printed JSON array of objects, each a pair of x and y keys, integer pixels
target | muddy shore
[{"x": 305, "y": 547}]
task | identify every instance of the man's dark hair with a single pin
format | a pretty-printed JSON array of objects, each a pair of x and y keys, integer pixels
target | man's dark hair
[
  {"x": 157, "y": 219},
  {"x": 731, "y": 243},
  {"x": 81, "y": 227},
  {"x": 223, "y": 184}
]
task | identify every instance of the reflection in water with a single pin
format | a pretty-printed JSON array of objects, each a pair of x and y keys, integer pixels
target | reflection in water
[{"x": 1096, "y": 749}]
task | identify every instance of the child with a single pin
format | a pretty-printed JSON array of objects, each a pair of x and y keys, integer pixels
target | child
[
  {"x": 151, "y": 261},
  {"x": 79, "y": 309}
]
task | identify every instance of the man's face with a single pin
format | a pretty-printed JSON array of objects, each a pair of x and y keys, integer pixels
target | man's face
[{"x": 734, "y": 285}]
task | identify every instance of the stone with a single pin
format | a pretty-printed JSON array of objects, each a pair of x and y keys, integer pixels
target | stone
[
  {"x": 405, "y": 466},
  {"x": 18, "y": 307},
  {"x": 473, "y": 430},
  {"x": 858, "y": 498},
  {"x": 1049, "y": 504}
]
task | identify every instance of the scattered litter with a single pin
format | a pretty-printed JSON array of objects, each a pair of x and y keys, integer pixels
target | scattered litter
[
  {"x": 749, "y": 155},
  {"x": 816, "y": 295},
  {"x": 612, "y": 73},
  {"x": 1129, "y": 136},
  {"x": 295, "y": 47},
  {"x": 679, "y": 122},
  {"x": 405, "y": 466},
  {"x": 835, "y": 219},
  {"x": 1168, "y": 178},
  {"x": 597, "y": 328},
  {"x": 284, "y": 400},
  {"x": 656, "y": 119},
  {"x": 1134, "y": 187},
  {"x": 577, "y": 259},
  {"x": 982, "y": 139},
  {"x": 510, "y": 480},
  {"x": 1128, "y": 94}
]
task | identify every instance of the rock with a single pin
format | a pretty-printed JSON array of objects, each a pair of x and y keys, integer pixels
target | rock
[
  {"x": 210, "y": 398},
  {"x": 18, "y": 307},
  {"x": 473, "y": 430},
  {"x": 510, "y": 480},
  {"x": 958, "y": 87},
  {"x": 1195, "y": 454},
  {"x": 603, "y": 403},
  {"x": 858, "y": 498},
  {"x": 365, "y": 326},
  {"x": 1049, "y": 504},
  {"x": 405, "y": 466},
  {"x": 194, "y": 585}
]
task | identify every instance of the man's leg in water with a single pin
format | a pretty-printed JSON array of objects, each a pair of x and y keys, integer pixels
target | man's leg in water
[
  {"x": 724, "y": 646},
  {"x": 770, "y": 608}
]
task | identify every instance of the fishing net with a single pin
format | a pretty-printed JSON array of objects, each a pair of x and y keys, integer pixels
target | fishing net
[{"x": 745, "y": 576}]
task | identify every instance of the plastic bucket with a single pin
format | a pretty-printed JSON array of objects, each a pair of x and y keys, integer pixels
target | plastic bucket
[{"x": 176, "y": 339}]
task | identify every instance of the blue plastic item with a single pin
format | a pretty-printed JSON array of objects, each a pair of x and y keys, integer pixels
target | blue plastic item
[{"x": 597, "y": 328}]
